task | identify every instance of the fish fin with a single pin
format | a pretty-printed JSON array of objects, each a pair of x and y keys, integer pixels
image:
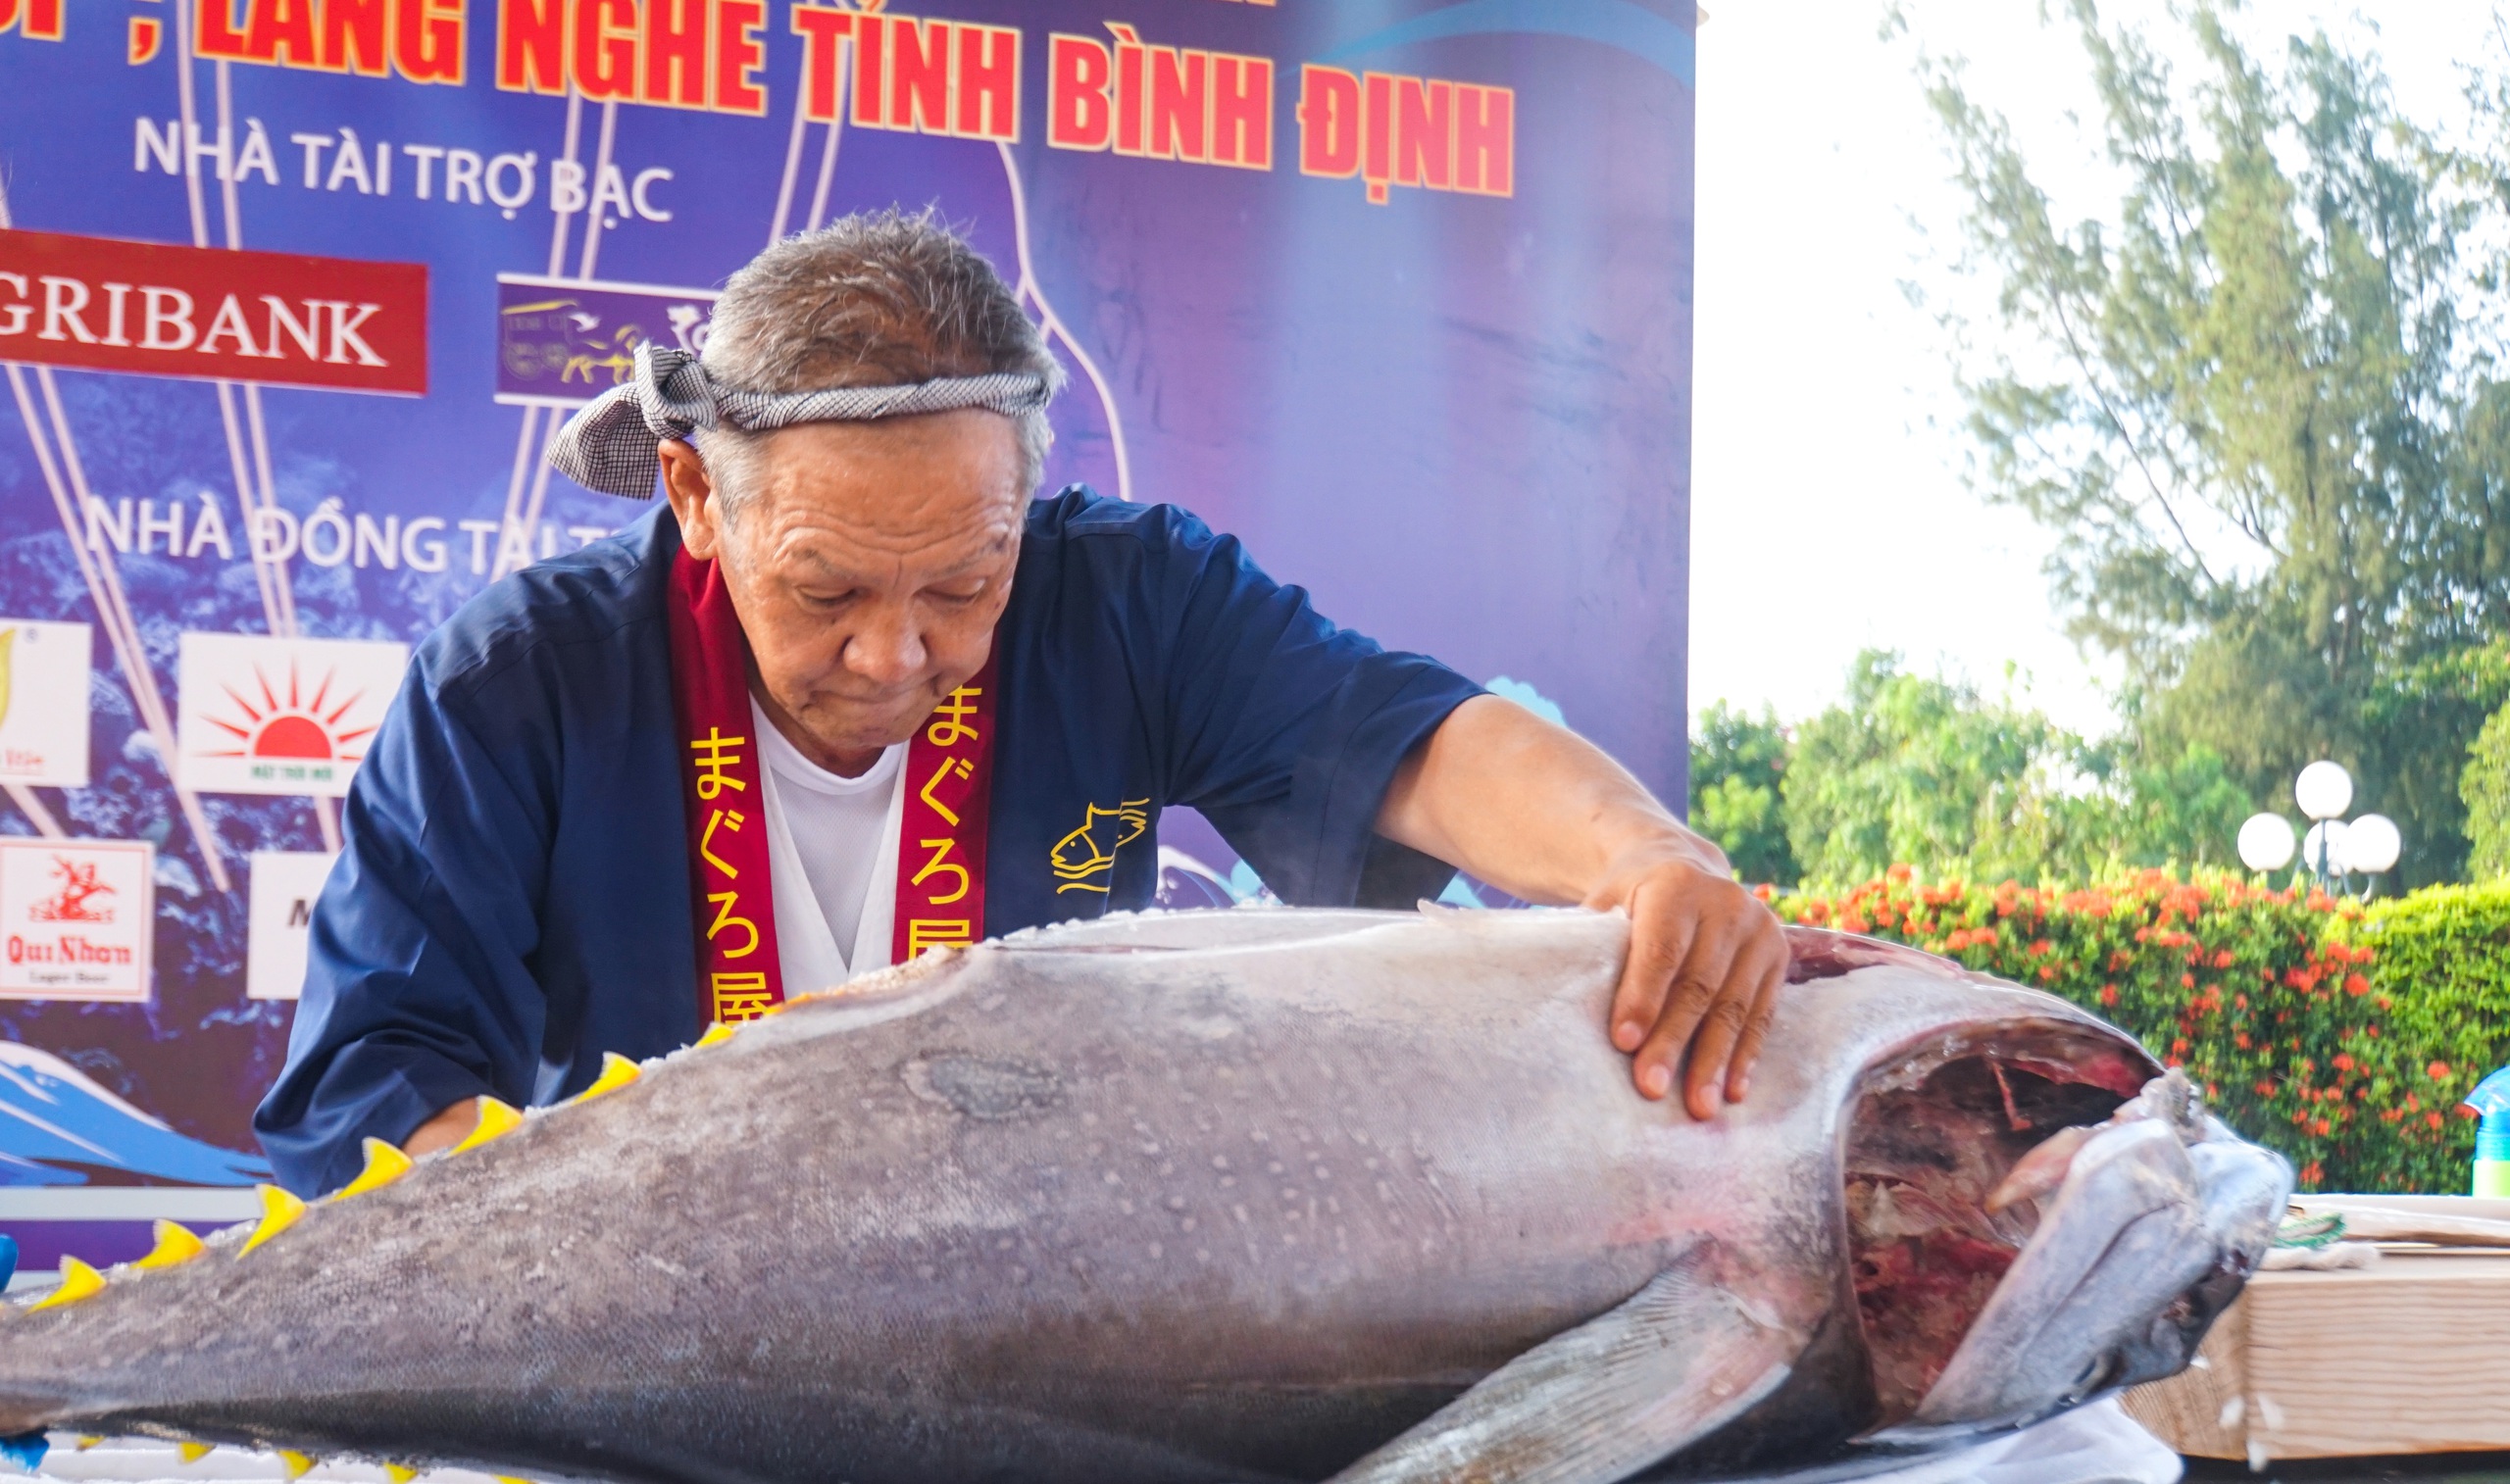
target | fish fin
[
  {"x": 281, "y": 1210},
  {"x": 496, "y": 1121},
  {"x": 78, "y": 1281},
  {"x": 193, "y": 1453},
  {"x": 87, "y": 1440},
  {"x": 716, "y": 1035},
  {"x": 299, "y": 1464},
  {"x": 1679, "y": 1358},
  {"x": 617, "y": 1071},
  {"x": 26, "y": 1450},
  {"x": 400, "y": 1473},
  {"x": 384, "y": 1166},
  {"x": 175, "y": 1245}
]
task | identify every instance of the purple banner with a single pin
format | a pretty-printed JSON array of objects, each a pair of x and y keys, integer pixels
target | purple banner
[{"x": 1396, "y": 290}]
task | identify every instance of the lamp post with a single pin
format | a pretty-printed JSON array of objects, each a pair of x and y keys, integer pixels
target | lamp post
[
  {"x": 2333, "y": 850},
  {"x": 2323, "y": 851},
  {"x": 2324, "y": 790}
]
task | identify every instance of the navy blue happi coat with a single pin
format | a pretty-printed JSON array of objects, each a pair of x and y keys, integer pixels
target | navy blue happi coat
[{"x": 513, "y": 895}]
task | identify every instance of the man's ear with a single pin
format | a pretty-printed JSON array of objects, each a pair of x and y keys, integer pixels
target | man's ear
[{"x": 692, "y": 499}]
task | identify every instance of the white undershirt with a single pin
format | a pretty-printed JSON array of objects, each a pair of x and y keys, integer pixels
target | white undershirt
[{"x": 833, "y": 848}]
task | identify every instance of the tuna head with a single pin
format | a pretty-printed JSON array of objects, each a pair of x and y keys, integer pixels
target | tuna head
[
  {"x": 2150, "y": 1223},
  {"x": 2036, "y": 1215}
]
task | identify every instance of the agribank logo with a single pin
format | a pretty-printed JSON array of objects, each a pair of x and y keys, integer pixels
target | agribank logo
[
  {"x": 103, "y": 303},
  {"x": 264, "y": 715}
]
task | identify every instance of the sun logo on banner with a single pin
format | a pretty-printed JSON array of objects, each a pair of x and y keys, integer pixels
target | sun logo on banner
[
  {"x": 267, "y": 714},
  {"x": 299, "y": 729}
]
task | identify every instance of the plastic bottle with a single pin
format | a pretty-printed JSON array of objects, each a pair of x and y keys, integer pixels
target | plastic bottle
[{"x": 2492, "y": 1102}]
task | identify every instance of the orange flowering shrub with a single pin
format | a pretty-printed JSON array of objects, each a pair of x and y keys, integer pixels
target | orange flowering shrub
[{"x": 2267, "y": 998}]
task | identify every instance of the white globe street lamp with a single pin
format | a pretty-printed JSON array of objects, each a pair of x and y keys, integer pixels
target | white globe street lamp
[
  {"x": 2372, "y": 844},
  {"x": 2266, "y": 842},
  {"x": 2332, "y": 849},
  {"x": 2324, "y": 790}
]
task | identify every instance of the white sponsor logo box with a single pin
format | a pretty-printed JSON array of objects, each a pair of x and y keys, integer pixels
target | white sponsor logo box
[
  {"x": 285, "y": 883},
  {"x": 264, "y": 715},
  {"x": 75, "y": 918},
  {"x": 43, "y": 703}
]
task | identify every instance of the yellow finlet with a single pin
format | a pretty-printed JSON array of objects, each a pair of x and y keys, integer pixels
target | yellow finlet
[
  {"x": 175, "y": 1245},
  {"x": 78, "y": 1281},
  {"x": 716, "y": 1035},
  {"x": 617, "y": 1071},
  {"x": 506, "y": 1478},
  {"x": 384, "y": 1166},
  {"x": 496, "y": 1121},
  {"x": 298, "y": 1464},
  {"x": 193, "y": 1453},
  {"x": 400, "y": 1474},
  {"x": 87, "y": 1440},
  {"x": 280, "y": 1210}
]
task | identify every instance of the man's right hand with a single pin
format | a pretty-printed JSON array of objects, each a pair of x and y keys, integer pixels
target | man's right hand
[{"x": 444, "y": 1130}]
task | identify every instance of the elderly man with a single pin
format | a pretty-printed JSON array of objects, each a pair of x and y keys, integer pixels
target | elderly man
[{"x": 853, "y": 695}]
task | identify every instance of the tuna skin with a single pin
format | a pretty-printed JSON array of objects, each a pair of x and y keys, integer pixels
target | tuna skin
[{"x": 1214, "y": 1196}]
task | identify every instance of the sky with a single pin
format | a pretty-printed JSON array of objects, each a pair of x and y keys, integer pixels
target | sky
[{"x": 1829, "y": 511}]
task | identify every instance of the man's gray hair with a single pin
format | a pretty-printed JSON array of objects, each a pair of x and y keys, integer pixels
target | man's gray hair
[{"x": 882, "y": 298}]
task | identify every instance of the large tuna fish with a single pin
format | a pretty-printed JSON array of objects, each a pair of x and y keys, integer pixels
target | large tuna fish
[{"x": 1226, "y": 1196}]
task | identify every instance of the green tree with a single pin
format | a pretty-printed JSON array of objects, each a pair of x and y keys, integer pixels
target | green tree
[
  {"x": 2485, "y": 785},
  {"x": 1738, "y": 770},
  {"x": 2256, "y": 405},
  {"x": 2183, "y": 812},
  {"x": 2448, "y": 696},
  {"x": 1914, "y": 769},
  {"x": 1925, "y": 771}
]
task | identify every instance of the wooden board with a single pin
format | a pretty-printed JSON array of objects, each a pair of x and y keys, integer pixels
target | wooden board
[
  {"x": 2201, "y": 1410},
  {"x": 2412, "y": 1356}
]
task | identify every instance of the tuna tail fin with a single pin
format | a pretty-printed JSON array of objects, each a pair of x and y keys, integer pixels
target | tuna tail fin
[{"x": 1679, "y": 1358}]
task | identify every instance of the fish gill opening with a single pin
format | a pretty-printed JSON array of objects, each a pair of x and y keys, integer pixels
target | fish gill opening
[{"x": 1930, "y": 1137}]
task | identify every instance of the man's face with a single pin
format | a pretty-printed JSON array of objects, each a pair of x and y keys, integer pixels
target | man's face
[{"x": 868, "y": 567}]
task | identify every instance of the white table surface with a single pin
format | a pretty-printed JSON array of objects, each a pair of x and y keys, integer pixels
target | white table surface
[{"x": 2095, "y": 1445}]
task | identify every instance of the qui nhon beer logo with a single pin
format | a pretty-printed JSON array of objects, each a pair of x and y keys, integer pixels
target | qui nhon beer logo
[
  {"x": 278, "y": 715},
  {"x": 75, "y": 918},
  {"x": 83, "y": 883}
]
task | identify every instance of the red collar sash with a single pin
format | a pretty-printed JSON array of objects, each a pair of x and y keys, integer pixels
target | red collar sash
[{"x": 942, "y": 828}]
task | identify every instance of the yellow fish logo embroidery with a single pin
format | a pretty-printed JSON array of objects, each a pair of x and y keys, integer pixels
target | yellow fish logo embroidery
[{"x": 1090, "y": 849}]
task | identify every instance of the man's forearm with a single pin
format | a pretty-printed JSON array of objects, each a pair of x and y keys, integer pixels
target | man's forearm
[
  {"x": 1531, "y": 808},
  {"x": 1534, "y": 809}
]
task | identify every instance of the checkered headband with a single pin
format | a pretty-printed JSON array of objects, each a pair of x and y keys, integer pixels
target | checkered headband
[{"x": 613, "y": 443}]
